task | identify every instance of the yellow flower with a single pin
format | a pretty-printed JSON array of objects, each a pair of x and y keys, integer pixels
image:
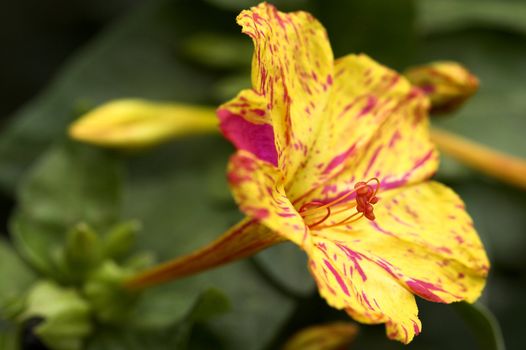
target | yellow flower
[{"x": 335, "y": 156}]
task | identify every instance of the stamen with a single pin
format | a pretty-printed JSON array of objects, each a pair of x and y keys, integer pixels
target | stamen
[
  {"x": 322, "y": 220},
  {"x": 365, "y": 198}
]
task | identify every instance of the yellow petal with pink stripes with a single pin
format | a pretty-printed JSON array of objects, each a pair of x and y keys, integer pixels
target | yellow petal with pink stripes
[
  {"x": 292, "y": 71},
  {"x": 258, "y": 189},
  {"x": 422, "y": 242},
  {"x": 377, "y": 126}
]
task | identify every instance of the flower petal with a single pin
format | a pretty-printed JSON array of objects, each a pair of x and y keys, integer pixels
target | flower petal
[
  {"x": 292, "y": 71},
  {"x": 377, "y": 126},
  {"x": 257, "y": 187},
  {"x": 431, "y": 250},
  {"x": 362, "y": 288},
  {"x": 247, "y": 124}
]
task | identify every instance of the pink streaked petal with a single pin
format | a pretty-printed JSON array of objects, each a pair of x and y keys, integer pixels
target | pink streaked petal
[
  {"x": 292, "y": 70},
  {"x": 351, "y": 282},
  {"x": 245, "y": 122},
  {"x": 432, "y": 250},
  {"x": 257, "y": 187},
  {"x": 376, "y": 126}
]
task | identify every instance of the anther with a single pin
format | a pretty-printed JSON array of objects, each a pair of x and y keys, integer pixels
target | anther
[{"x": 364, "y": 200}]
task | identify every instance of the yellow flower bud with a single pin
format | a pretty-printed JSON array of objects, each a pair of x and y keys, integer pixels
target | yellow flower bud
[
  {"x": 448, "y": 84},
  {"x": 330, "y": 336},
  {"x": 135, "y": 123}
]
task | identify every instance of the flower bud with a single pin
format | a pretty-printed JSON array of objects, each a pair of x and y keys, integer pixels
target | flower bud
[
  {"x": 330, "y": 336},
  {"x": 448, "y": 84},
  {"x": 120, "y": 239},
  {"x": 82, "y": 251},
  {"x": 135, "y": 123}
]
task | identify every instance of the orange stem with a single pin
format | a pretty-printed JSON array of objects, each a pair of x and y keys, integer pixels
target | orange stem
[
  {"x": 502, "y": 166},
  {"x": 243, "y": 240}
]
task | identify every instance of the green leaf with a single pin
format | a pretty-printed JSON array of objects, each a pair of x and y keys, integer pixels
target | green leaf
[
  {"x": 9, "y": 336},
  {"x": 67, "y": 316},
  {"x": 173, "y": 336},
  {"x": 483, "y": 324},
  {"x": 210, "y": 303},
  {"x": 436, "y": 16},
  {"x": 72, "y": 183},
  {"x": 285, "y": 265},
  {"x": 383, "y": 29},
  {"x": 14, "y": 270}
]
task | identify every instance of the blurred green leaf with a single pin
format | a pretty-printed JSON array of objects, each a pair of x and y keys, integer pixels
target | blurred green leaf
[
  {"x": 383, "y": 29},
  {"x": 229, "y": 87},
  {"x": 176, "y": 336},
  {"x": 135, "y": 57},
  {"x": 14, "y": 273},
  {"x": 286, "y": 265},
  {"x": 437, "y": 16},
  {"x": 8, "y": 337},
  {"x": 66, "y": 316},
  {"x": 483, "y": 324},
  {"x": 219, "y": 51},
  {"x": 211, "y": 303},
  {"x": 72, "y": 183}
]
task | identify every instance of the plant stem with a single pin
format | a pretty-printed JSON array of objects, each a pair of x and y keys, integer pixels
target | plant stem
[{"x": 509, "y": 169}]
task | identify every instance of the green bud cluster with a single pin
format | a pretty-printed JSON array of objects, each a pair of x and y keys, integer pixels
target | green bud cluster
[{"x": 89, "y": 289}]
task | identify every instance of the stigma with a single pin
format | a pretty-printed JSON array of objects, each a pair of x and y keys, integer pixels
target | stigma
[{"x": 362, "y": 206}]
